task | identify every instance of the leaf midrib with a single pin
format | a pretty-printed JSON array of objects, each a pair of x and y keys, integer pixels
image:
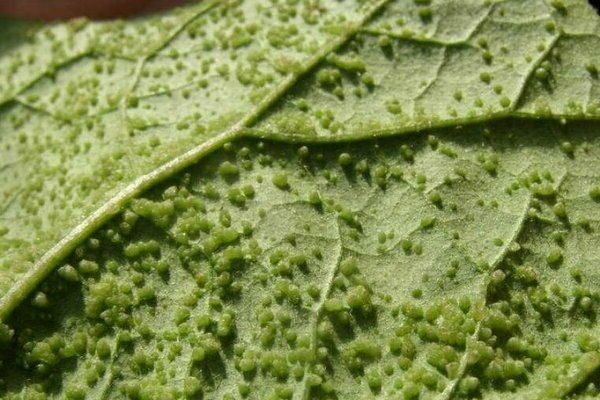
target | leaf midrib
[{"x": 415, "y": 128}]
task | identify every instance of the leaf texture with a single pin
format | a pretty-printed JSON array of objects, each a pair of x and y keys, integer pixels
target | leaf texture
[
  {"x": 454, "y": 262},
  {"x": 444, "y": 266}
]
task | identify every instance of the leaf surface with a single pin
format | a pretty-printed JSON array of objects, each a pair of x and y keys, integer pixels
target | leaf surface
[{"x": 455, "y": 262}]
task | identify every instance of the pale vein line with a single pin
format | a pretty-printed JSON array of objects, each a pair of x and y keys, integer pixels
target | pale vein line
[
  {"x": 462, "y": 369},
  {"x": 137, "y": 73},
  {"x": 429, "y": 85},
  {"x": 40, "y": 110},
  {"x": 91, "y": 52},
  {"x": 522, "y": 88},
  {"x": 109, "y": 377},
  {"x": 4, "y": 208},
  {"x": 409, "y": 37},
  {"x": 11, "y": 164},
  {"x": 318, "y": 310},
  {"x": 417, "y": 228},
  {"x": 53, "y": 67},
  {"x": 482, "y": 21}
]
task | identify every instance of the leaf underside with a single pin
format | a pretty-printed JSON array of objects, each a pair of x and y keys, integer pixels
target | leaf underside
[{"x": 433, "y": 235}]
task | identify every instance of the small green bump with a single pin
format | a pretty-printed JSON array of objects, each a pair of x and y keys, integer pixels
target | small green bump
[
  {"x": 505, "y": 102},
  {"x": 349, "y": 266},
  {"x": 314, "y": 198},
  {"x": 367, "y": 79},
  {"x": 592, "y": 69},
  {"x": 192, "y": 387},
  {"x": 303, "y": 152},
  {"x": 411, "y": 391},
  {"x": 487, "y": 56},
  {"x": 132, "y": 102},
  {"x": 576, "y": 273},
  {"x": 435, "y": 197},
  {"x": 584, "y": 223},
  {"x": 248, "y": 191},
  {"x": 396, "y": 172},
  {"x": 374, "y": 380},
  {"x": 447, "y": 151},
  {"x": 543, "y": 190},
  {"x": 247, "y": 365},
  {"x": 265, "y": 317},
  {"x": 586, "y": 303},
  {"x": 236, "y": 197},
  {"x": 433, "y": 141},
  {"x": 333, "y": 305},
  {"x": 345, "y": 159},
  {"x": 426, "y": 14},
  {"x": 103, "y": 348},
  {"x": 358, "y": 298},
  {"x": 595, "y": 193},
  {"x": 559, "y": 6},
  {"x": 146, "y": 294},
  {"x": 485, "y": 77},
  {"x": 497, "y": 277},
  {"x": 162, "y": 267},
  {"x": 68, "y": 273},
  {"x": 384, "y": 41},
  {"x": 74, "y": 392},
  {"x": 88, "y": 267},
  {"x": 348, "y": 64},
  {"x": 427, "y": 222},
  {"x": 328, "y": 77},
  {"x": 560, "y": 210},
  {"x": 227, "y": 170},
  {"x": 407, "y": 153},
  {"x": 339, "y": 92},
  {"x": 554, "y": 257},
  {"x": 541, "y": 73},
  {"x": 393, "y": 107},
  {"x": 362, "y": 167},
  {"x": 412, "y": 311},
  {"x": 299, "y": 260},
  {"x": 244, "y": 389},
  {"x": 40, "y": 300},
  {"x": 568, "y": 148},
  {"x": 349, "y": 217},
  {"x": 468, "y": 385},
  {"x": 280, "y": 180},
  {"x": 381, "y": 173},
  {"x": 181, "y": 315}
]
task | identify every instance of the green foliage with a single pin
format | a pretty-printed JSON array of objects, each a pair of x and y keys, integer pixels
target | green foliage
[{"x": 434, "y": 234}]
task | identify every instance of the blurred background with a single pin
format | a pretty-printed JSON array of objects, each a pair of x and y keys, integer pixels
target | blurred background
[{"x": 48, "y": 10}]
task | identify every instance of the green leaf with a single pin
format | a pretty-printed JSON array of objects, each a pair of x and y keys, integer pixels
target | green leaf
[{"x": 433, "y": 235}]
